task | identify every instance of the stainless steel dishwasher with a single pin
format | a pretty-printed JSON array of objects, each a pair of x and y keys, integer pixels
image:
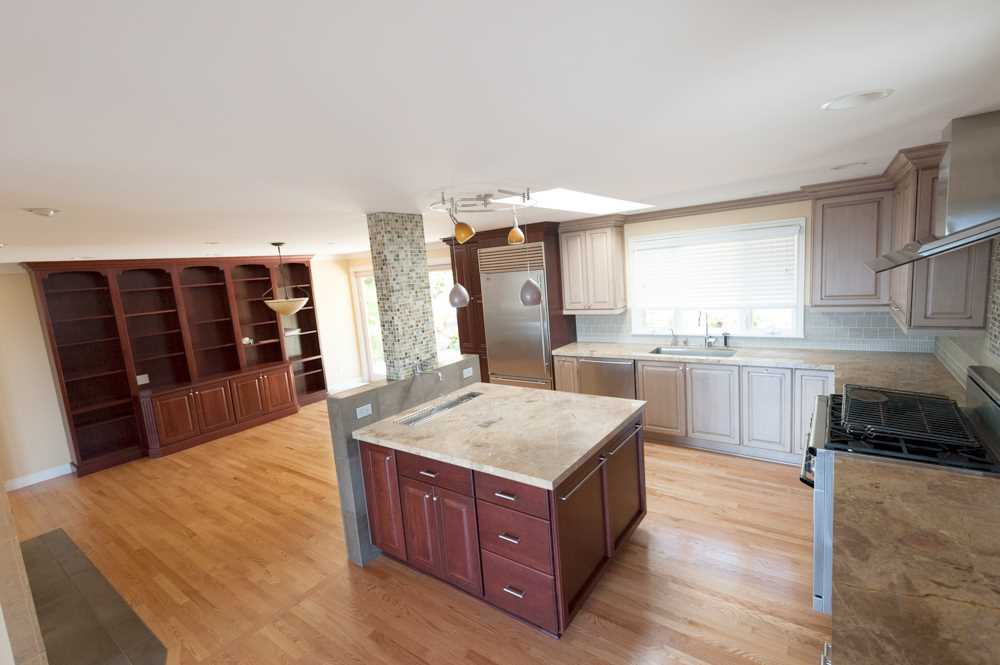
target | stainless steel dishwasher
[{"x": 606, "y": 376}]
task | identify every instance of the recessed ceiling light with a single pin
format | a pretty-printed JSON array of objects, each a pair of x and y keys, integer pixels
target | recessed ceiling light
[
  {"x": 42, "y": 212},
  {"x": 2, "y": 245},
  {"x": 856, "y": 99},
  {"x": 573, "y": 201},
  {"x": 848, "y": 165},
  {"x": 213, "y": 242}
]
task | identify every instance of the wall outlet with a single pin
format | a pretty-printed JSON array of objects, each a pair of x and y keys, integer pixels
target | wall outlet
[
  {"x": 363, "y": 411},
  {"x": 142, "y": 379},
  {"x": 466, "y": 372}
]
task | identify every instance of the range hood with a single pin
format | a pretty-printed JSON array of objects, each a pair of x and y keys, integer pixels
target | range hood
[{"x": 967, "y": 201}]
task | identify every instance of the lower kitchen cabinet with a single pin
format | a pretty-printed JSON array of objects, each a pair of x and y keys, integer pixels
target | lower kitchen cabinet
[
  {"x": 179, "y": 419},
  {"x": 532, "y": 552},
  {"x": 766, "y": 408},
  {"x": 713, "y": 403},
  {"x": 661, "y": 385},
  {"x": 566, "y": 374},
  {"x": 808, "y": 384},
  {"x": 382, "y": 495},
  {"x": 625, "y": 494}
]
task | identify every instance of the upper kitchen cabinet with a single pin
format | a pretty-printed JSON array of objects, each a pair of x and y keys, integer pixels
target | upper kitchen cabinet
[
  {"x": 593, "y": 266},
  {"x": 947, "y": 293},
  {"x": 847, "y": 231}
]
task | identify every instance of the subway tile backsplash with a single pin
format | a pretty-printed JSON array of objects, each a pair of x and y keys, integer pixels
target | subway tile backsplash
[{"x": 848, "y": 331}]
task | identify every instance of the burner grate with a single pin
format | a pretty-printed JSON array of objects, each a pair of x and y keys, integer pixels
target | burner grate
[
  {"x": 972, "y": 455},
  {"x": 934, "y": 418}
]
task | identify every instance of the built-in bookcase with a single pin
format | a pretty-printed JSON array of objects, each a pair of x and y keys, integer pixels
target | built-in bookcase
[
  {"x": 116, "y": 329},
  {"x": 210, "y": 319},
  {"x": 149, "y": 303},
  {"x": 87, "y": 348},
  {"x": 259, "y": 326},
  {"x": 301, "y": 333}
]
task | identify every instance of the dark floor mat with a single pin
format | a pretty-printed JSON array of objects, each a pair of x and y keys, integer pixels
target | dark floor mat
[{"x": 84, "y": 621}]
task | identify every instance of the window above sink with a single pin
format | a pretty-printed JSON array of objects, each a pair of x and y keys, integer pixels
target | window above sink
[{"x": 748, "y": 279}]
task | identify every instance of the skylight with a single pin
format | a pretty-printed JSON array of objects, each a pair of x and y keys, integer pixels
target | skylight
[{"x": 573, "y": 201}]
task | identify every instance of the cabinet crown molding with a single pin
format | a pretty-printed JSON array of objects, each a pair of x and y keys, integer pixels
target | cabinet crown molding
[{"x": 917, "y": 157}]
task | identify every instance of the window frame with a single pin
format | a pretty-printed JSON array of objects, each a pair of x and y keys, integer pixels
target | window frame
[
  {"x": 358, "y": 273},
  {"x": 645, "y": 241}
]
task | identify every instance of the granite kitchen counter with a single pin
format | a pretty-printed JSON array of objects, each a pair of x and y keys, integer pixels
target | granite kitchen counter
[
  {"x": 536, "y": 437},
  {"x": 916, "y": 564},
  {"x": 920, "y": 372}
]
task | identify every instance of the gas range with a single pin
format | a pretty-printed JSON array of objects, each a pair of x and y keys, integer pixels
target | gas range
[{"x": 912, "y": 427}]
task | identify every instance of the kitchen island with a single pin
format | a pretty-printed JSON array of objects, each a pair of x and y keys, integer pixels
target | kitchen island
[{"x": 518, "y": 496}]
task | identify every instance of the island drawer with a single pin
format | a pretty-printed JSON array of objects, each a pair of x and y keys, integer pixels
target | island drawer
[
  {"x": 426, "y": 470},
  {"x": 521, "y": 591},
  {"x": 509, "y": 494},
  {"x": 517, "y": 536}
]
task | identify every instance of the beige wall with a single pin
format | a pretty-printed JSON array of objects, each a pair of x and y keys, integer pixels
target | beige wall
[
  {"x": 333, "y": 290},
  {"x": 32, "y": 435}
]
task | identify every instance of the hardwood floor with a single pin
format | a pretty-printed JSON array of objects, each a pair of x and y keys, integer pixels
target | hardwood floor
[{"x": 232, "y": 553}]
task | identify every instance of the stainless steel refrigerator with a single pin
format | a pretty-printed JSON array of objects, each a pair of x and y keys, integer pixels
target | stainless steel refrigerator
[{"x": 518, "y": 345}]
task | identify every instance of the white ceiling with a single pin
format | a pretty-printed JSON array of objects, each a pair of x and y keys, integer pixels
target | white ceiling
[{"x": 158, "y": 127}]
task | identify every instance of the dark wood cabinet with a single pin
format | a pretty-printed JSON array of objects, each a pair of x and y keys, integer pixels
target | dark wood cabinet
[
  {"x": 278, "y": 390},
  {"x": 532, "y": 552},
  {"x": 385, "y": 513},
  {"x": 420, "y": 525},
  {"x": 459, "y": 540},
  {"x": 176, "y": 417},
  {"x": 249, "y": 397},
  {"x": 117, "y": 330},
  {"x": 465, "y": 271},
  {"x": 215, "y": 406},
  {"x": 626, "y": 496}
]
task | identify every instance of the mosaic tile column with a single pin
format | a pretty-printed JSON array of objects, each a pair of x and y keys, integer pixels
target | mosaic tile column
[{"x": 399, "y": 259}]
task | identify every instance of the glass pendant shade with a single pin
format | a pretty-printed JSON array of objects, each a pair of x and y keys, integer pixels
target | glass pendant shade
[
  {"x": 458, "y": 296},
  {"x": 515, "y": 236},
  {"x": 286, "y": 306},
  {"x": 531, "y": 293}
]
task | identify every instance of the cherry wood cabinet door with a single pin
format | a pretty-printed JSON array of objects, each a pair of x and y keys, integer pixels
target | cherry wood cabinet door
[
  {"x": 420, "y": 525},
  {"x": 176, "y": 417},
  {"x": 385, "y": 513},
  {"x": 278, "y": 390},
  {"x": 215, "y": 407},
  {"x": 459, "y": 535},
  {"x": 625, "y": 488},
  {"x": 248, "y": 397}
]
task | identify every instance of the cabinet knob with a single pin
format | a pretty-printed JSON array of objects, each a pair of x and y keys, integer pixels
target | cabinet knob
[
  {"x": 427, "y": 496},
  {"x": 434, "y": 498}
]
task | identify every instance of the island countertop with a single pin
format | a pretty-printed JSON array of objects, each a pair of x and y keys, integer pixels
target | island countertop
[{"x": 536, "y": 437}]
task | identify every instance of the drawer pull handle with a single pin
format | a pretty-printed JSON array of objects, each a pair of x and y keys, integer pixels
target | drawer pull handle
[
  {"x": 503, "y": 495},
  {"x": 600, "y": 463},
  {"x": 517, "y": 593},
  {"x": 428, "y": 474},
  {"x": 514, "y": 540}
]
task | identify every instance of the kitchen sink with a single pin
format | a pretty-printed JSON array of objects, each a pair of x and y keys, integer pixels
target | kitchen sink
[
  {"x": 693, "y": 351},
  {"x": 429, "y": 412}
]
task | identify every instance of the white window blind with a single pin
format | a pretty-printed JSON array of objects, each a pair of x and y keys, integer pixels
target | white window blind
[{"x": 747, "y": 280}]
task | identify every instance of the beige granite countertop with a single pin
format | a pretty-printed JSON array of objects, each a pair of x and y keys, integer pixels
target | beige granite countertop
[
  {"x": 916, "y": 564},
  {"x": 920, "y": 372},
  {"x": 532, "y": 436}
]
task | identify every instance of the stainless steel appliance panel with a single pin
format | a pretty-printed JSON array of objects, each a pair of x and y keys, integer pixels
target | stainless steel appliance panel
[
  {"x": 522, "y": 383},
  {"x": 606, "y": 376},
  {"x": 517, "y": 337}
]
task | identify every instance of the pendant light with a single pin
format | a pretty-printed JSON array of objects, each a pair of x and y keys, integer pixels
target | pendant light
[
  {"x": 284, "y": 306},
  {"x": 458, "y": 296},
  {"x": 516, "y": 235},
  {"x": 463, "y": 231},
  {"x": 531, "y": 293}
]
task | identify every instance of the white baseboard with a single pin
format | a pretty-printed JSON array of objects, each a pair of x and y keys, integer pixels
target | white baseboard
[{"x": 37, "y": 477}]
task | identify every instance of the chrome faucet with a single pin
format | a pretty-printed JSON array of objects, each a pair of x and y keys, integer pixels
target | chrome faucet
[
  {"x": 418, "y": 369},
  {"x": 709, "y": 341}
]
